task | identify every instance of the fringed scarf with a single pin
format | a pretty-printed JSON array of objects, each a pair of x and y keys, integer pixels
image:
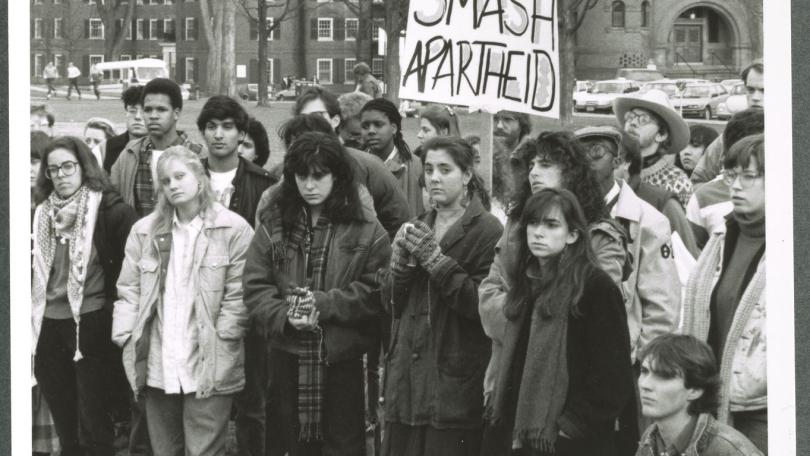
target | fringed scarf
[
  {"x": 544, "y": 378},
  {"x": 72, "y": 218},
  {"x": 313, "y": 243}
]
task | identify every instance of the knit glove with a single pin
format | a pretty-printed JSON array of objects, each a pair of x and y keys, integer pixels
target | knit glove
[
  {"x": 420, "y": 241},
  {"x": 401, "y": 264},
  {"x": 300, "y": 302}
]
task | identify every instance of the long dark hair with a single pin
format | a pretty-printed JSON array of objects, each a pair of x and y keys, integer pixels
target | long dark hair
[
  {"x": 463, "y": 156},
  {"x": 392, "y": 113},
  {"x": 562, "y": 288},
  {"x": 93, "y": 177},
  {"x": 562, "y": 148},
  {"x": 318, "y": 152},
  {"x": 260, "y": 141}
]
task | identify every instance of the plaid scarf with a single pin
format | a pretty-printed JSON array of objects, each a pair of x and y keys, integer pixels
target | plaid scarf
[
  {"x": 315, "y": 242},
  {"x": 144, "y": 187},
  {"x": 66, "y": 218}
]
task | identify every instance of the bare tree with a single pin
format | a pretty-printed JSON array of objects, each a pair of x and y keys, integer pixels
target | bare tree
[
  {"x": 73, "y": 30},
  {"x": 211, "y": 17},
  {"x": 570, "y": 13},
  {"x": 228, "y": 84},
  {"x": 362, "y": 43},
  {"x": 396, "y": 14},
  {"x": 110, "y": 11}
]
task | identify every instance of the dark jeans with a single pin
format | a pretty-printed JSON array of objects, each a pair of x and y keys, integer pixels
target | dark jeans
[
  {"x": 250, "y": 403},
  {"x": 51, "y": 89},
  {"x": 95, "y": 90},
  {"x": 343, "y": 411},
  {"x": 139, "y": 444},
  {"x": 74, "y": 82},
  {"x": 78, "y": 392}
]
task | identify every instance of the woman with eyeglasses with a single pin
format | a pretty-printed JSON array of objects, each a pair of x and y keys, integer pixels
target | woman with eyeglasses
[
  {"x": 80, "y": 228},
  {"x": 724, "y": 301}
]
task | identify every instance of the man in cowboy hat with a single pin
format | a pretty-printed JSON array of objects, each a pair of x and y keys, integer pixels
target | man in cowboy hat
[{"x": 658, "y": 128}]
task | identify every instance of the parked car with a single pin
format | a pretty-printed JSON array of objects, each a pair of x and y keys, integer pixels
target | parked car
[
  {"x": 668, "y": 86},
  {"x": 250, "y": 91},
  {"x": 600, "y": 97},
  {"x": 729, "y": 83},
  {"x": 700, "y": 99},
  {"x": 736, "y": 101},
  {"x": 639, "y": 74}
]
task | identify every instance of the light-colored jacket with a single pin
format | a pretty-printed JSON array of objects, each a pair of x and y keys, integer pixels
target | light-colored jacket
[
  {"x": 222, "y": 319},
  {"x": 653, "y": 290},
  {"x": 743, "y": 366}
]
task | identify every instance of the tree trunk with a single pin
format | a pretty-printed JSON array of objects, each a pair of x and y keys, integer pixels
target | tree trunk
[
  {"x": 301, "y": 39},
  {"x": 112, "y": 47},
  {"x": 364, "y": 24},
  {"x": 262, "y": 28},
  {"x": 394, "y": 23},
  {"x": 567, "y": 32},
  {"x": 229, "y": 48}
]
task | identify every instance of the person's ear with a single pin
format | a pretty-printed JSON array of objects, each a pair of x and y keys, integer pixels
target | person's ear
[
  {"x": 693, "y": 394},
  {"x": 573, "y": 236},
  {"x": 242, "y": 135},
  {"x": 466, "y": 177},
  {"x": 335, "y": 121},
  {"x": 617, "y": 162},
  {"x": 661, "y": 137}
]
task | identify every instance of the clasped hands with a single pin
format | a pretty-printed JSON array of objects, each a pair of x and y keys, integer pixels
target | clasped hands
[
  {"x": 302, "y": 313},
  {"x": 414, "y": 242}
]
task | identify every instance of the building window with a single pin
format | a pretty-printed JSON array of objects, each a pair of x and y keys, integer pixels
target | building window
[
  {"x": 139, "y": 29},
  {"x": 168, "y": 30},
  {"x": 153, "y": 31},
  {"x": 126, "y": 57},
  {"x": 190, "y": 63},
  {"x": 39, "y": 64},
  {"x": 348, "y": 65},
  {"x": 57, "y": 27},
  {"x": 375, "y": 29},
  {"x": 128, "y": 32},
  {"x": 352, "y": 24},
  {"x": 645, "y": 13},
  {"x": 191, "y": 29},
  {"x": 268, "y": 72},
  {"x": 270, "y": 30},
  {"x": 325, "y": 71},
  {"x": 617, "y": 14},
  {"x": 377, "y": 67},
  {"x": 59, "y": 62},
  {"x": 96, "y": 29},
  {"x": 324, "y": 29},
  {"x": 37, "y": 29}
]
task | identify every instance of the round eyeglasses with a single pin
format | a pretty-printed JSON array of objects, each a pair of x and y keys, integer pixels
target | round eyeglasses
[{"x": 67, "y": 168}]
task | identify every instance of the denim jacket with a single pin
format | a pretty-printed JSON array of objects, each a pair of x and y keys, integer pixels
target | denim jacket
[{"x": 710, "y": 438}]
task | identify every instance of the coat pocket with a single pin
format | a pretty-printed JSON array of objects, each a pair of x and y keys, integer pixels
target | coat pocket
[
  {"x": 212, "y": 272},
  {"x": 229, "y": 363},
  {"x": 460, "y": 390}
]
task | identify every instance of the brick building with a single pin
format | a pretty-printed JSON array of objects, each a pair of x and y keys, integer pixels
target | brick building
[
  {"x": 321, "y": 42},
  {"x": 686, "y": 38}
]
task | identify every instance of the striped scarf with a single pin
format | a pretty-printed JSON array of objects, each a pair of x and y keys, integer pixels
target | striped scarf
[
  {"x": 144, "y": 187},
  {"x": 315, "y": 242}
]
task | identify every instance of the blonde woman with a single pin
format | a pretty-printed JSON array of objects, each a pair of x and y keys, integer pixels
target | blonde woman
[{"x": 180, "y": 318}]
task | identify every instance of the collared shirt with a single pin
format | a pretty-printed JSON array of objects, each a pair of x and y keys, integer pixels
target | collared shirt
[
  {"x": 173, "y": 361},
  {"x": 611, "y": 198},
  {"x": 678, "y": 447}
]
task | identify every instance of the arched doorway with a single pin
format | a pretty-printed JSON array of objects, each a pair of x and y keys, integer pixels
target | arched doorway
[{"x": 706, "y": 37}]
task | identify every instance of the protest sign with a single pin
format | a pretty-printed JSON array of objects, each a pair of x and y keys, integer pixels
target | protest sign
[{"x": 487, "y": 54}]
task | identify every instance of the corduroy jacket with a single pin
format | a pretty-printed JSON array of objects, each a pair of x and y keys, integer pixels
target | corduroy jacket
[
  {"x": 743, "y": 365},
  {"x": 349, "y": 305},
  {"x": 710, "y": 438},
  {"x": 220, "y": 313},
  {"x": 439, "y": 352}
]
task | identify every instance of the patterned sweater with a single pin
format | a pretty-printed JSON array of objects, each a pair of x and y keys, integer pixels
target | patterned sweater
[{"x": 669, "y": 177}]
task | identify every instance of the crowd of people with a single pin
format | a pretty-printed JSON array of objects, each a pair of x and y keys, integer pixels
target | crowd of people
[{"x": 604, "y": 295}]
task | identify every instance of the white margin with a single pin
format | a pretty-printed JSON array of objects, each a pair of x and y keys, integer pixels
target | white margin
[{"x": 779, "y": 235}]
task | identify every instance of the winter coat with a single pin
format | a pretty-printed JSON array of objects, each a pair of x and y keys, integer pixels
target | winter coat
[
  {"x": 407, "y": 174},
  {"x": 349, "y": 305},
  {"x": 249, "y": 183},
  {"x": 607, "y": 243},
  {"x": 710, "y": 438},
  {"x": 219, "y": 260},
  {"x": 743, "y": 364},
  {"x": 439, "y": 352}
]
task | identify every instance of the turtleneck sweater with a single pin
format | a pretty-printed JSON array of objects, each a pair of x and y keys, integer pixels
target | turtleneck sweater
[{"x": 737, "y": 271}]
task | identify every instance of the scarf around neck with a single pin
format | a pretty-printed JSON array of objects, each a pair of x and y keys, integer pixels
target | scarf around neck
[
  {"x": 543, "y": 383},
  {"x": 74, "y": 219}
]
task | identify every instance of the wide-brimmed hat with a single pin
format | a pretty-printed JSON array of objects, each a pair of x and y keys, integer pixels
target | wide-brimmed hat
[{"x": 657, "y": 102}]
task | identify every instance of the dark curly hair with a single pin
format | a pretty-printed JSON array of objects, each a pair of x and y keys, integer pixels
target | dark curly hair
[
  {"x": 261, "y": 142},
  {"x": 464, "y": 157},
  {"x": 318, "y": 152},
  {"x": 563, "y": 149},
  {"x": 392, "y": 113},
  {"x": 93, "y": 177},
  {"x": 678, "y": 355},
  {"x": 221, "y": 107}
]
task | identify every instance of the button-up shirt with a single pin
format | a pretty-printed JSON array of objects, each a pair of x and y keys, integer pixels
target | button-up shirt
[{"x": 174, "y": 355}]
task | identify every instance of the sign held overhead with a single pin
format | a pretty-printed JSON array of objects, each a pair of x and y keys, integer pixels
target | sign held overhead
[{"x": 489, "y": 54}]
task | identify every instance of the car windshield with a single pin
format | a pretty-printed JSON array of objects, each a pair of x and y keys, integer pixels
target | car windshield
[
  {"x": 607, "y": 87},
  {"x": 151, "y": 73},
  {"x": 668, "y": 88},
  {"x": 696, "y": 92}
]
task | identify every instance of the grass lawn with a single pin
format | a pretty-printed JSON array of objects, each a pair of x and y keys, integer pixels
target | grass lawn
[{"x": 71, "y": 116}]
